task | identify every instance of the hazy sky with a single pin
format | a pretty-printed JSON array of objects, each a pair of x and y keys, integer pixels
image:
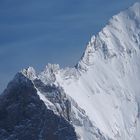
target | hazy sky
[{"x": 37, "y": 32}]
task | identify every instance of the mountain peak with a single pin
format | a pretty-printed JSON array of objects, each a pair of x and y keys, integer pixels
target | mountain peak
[
  {"x": 136, "y": 5},
  {"x": 136, "y": 9},
  {"x": 93, "y": 98},
  {"x": 115, "y": 38}
]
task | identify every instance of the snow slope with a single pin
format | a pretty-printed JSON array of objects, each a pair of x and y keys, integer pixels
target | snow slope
[{"x": 105, "y": 82}]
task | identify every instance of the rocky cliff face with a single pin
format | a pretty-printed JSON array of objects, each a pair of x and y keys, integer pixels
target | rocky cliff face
[{"x": 24, "y": 116}]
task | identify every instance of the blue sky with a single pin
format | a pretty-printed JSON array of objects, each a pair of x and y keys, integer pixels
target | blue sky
[{"x": 37, "y": 32}]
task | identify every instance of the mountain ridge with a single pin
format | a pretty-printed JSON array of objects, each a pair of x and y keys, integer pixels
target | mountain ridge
[{"x": 94, "y": 96}]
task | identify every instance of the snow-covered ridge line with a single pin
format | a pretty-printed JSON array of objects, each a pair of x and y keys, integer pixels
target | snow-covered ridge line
[
  {"x": 112, "y": 41},
  {"x": 62, "y": 105}
]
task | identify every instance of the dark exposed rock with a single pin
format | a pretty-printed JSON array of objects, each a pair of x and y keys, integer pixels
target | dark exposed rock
[
  {"x": 57, "y": 96},
  {"x": 23, "y": 116}
]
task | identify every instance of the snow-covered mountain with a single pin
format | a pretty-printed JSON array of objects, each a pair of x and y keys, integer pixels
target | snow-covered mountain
[{"x": 99, "y": 97}]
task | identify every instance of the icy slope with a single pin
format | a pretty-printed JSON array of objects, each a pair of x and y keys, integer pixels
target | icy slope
[
  {"x": 55, "y": 99},
  {"x": 105, "y": 82}
]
